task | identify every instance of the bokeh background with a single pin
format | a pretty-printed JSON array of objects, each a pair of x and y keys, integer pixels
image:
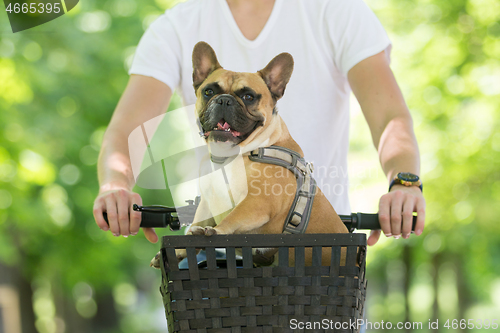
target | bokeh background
[{"x": 60, "y": 82}]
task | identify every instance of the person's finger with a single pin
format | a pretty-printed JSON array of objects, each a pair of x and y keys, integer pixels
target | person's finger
[
  {"x": 396, "y": 210},
  {"x": 408, "y": 207},
  {"x": 419, "y": 227},
  {"x": 112, "y": 214},
  {"x": 374, "y": 237},
  {"x": 98, "y": 211},
  {"x": 135, "y": 217},
  {"x": 384, "y": 215},
  {"x": 150, "y": 234},
  {"x": 122, "y": 200}
]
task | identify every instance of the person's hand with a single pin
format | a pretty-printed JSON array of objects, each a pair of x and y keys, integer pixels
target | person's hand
[
  {"x": 123, "y": 220},
  {"x": 396, "y": 213}
]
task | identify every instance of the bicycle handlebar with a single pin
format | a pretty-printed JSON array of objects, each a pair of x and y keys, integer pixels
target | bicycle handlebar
[
  {"x": 363, "y": 221},
  {"x": 155, "y": 220},
  {"x": 161, "y": 217}
]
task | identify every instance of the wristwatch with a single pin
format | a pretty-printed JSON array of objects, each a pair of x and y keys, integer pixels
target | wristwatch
[{"x": 406, "y": 179}]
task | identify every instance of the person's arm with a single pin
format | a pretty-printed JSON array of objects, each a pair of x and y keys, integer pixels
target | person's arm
[
  {"x": 143, "y": 99},
  {"x": 391, "y": 126}
]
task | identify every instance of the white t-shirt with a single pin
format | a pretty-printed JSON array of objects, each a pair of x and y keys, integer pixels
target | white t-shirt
[{"x": 326, "y": 39}]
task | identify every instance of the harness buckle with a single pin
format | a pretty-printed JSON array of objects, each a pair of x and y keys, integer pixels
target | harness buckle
[
  {"x": 310, "y": 167},
  {"x": 256, "y": 152},
  {"x": 307, "y": 169}
]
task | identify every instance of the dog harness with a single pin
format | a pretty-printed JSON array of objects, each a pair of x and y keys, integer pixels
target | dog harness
[{"x": 298, "y": 217}]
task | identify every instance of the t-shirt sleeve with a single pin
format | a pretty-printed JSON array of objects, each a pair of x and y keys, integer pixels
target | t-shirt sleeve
[
  {"x": 158, "y": 53},
  {"x": 355, "y": 33}
]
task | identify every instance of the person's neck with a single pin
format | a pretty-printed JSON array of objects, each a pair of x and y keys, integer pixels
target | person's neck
[
  {"x": 253, "y": 3},
  {"x": 251, "y": 15}
]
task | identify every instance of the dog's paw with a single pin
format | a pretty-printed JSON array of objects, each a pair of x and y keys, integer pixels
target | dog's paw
[
  {"x": 180, "y": 254},
  {"x": 155, "y": 262},
  {"x": 207, "y": 231},
  {"x": 264, "y": 256},
  {"x": 196, "y": 230}
]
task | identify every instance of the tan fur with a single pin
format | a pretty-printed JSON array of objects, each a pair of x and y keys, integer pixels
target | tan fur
[{"x": 259, "y": 211}]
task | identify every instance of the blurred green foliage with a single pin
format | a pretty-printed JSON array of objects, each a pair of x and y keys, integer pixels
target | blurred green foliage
[
  {"x": 60, "y": 82},
  {"x": 446, "y": 57}
]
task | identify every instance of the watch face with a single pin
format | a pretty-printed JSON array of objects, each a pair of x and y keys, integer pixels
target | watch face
[{"x": 408, "y": 177}]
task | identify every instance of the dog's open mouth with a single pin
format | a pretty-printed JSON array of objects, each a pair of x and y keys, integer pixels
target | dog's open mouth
[{"x": 223, "y": 127}]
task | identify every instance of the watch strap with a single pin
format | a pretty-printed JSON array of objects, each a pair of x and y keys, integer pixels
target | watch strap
[{"x": 398, "y": 181}]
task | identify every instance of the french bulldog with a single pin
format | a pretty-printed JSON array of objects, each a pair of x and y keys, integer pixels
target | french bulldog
[{"x": 237, "y": 113}]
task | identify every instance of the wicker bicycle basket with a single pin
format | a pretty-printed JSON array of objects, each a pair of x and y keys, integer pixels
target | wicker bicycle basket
[{"x": 237, "y": 296}]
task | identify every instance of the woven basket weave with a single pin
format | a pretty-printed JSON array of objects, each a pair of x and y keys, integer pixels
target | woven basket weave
[{"x": 239, "y": 297}]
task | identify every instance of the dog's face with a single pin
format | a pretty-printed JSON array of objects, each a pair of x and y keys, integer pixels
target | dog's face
[{"x": 235, "y": 107}]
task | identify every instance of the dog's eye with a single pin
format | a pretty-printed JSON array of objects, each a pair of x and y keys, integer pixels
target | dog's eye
[
  {"x": 247, "y": 98},
  {"x": 208, "y": 92}
]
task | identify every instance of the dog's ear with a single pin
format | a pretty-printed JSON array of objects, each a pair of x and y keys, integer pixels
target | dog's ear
[
  {"x": 204, "y": 63},
  {"x": 277, "y": 73}
]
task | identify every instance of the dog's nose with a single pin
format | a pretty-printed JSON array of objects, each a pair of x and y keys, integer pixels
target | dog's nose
[{"x": 225, "y": 100}]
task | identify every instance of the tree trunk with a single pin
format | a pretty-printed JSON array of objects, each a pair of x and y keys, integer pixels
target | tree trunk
[
  {"x": 407, "y": 251},
  {"x": 464, "y": 297},
  {"x": 12, "y": 279},
  {"x": 106, "y": 317},
  {"x": 67, "y": 311},
  {"x": 436, "y": 261}
]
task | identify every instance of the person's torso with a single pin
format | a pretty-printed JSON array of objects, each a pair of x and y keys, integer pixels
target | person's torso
[{"x": 315, "y": 104}]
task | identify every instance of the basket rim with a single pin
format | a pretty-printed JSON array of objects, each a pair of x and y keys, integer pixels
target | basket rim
[{"x": 264, "y": 240}]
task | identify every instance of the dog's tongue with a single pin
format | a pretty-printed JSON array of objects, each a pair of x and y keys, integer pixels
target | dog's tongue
[{"x": 223, "y": 125}]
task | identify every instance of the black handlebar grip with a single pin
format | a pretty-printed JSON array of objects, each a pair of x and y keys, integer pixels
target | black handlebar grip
[
  {"x": 149, "y": 220},
  {"x": 371, "y": 221},
  {"x": 154, "y": 220}
]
